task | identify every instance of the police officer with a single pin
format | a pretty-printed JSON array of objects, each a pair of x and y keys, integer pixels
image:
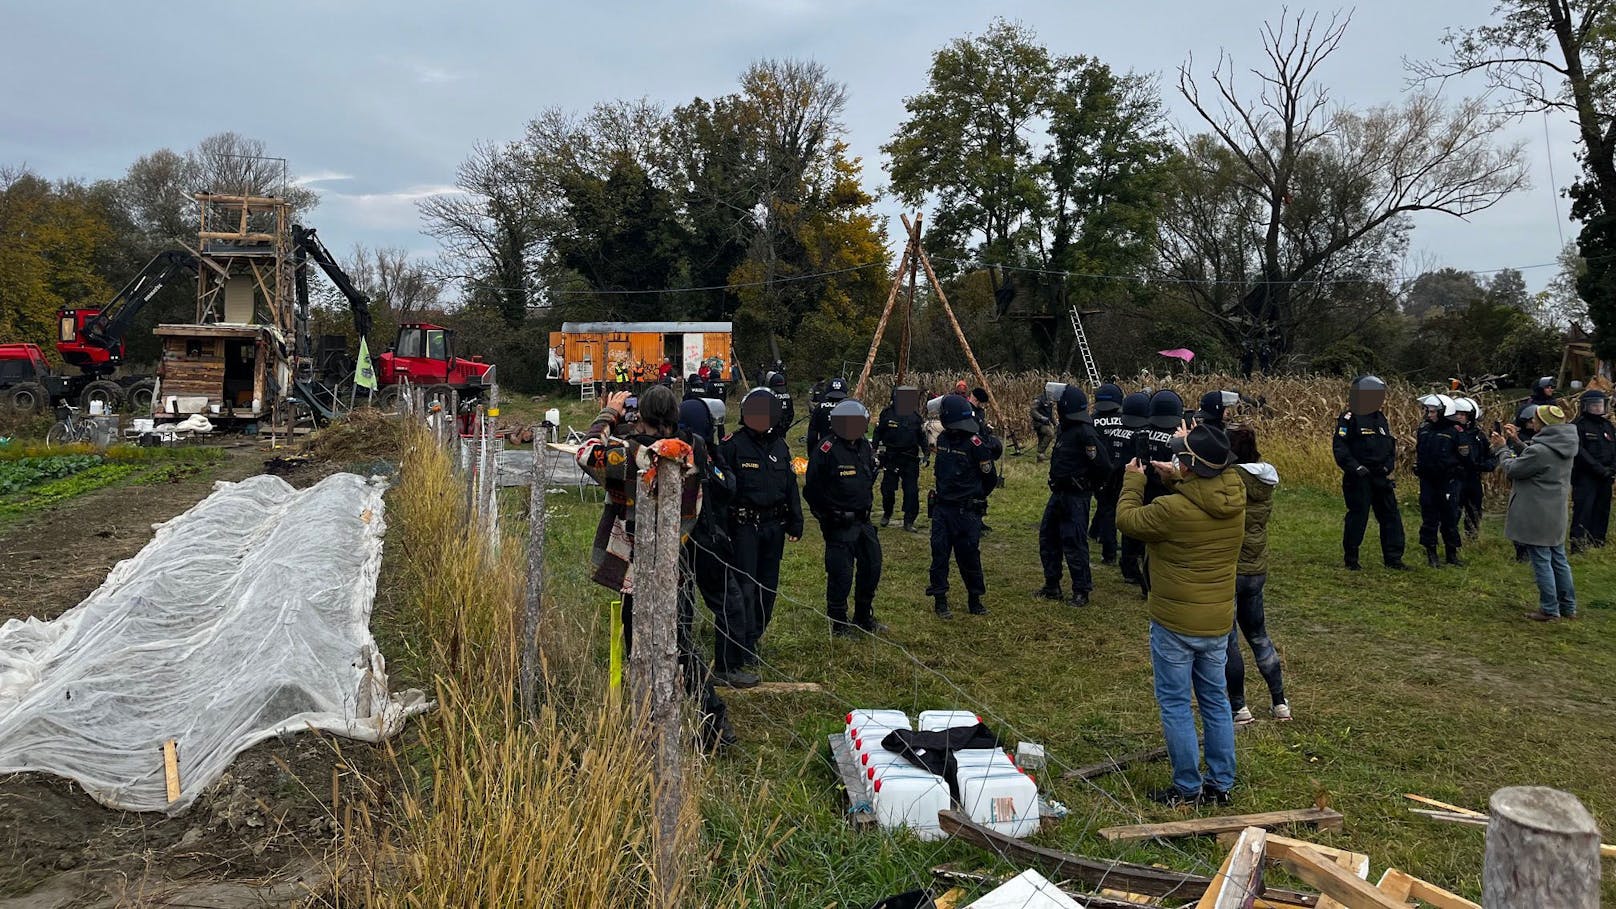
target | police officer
[
  {"x": 1214, "y": 408},
  {"x": 1043, "y": 420},
  {"x": 1108, "y": 424},
  {"x": 710, "y": 551},
  {"x": 819, "y": 415},
  {"x": 1542, "y": 393},
  {"x": 965, "y": 474},
  {"x": 1079, "y": 465},
  {"x": 1120, "y": 443},
  {"x": 766, "y": 510},
  {"x": 1366, "y": 452},
  {"x": 776, "y": 382},
  {"x": 1476, "y": 458},
  {"x": 840, "y": 489},
  {"x": 1592, "y": 471},
  {"x": 1156, "y": 444},
  {"x": 900, "y": 436},
  {"x": 1437, "y": 464}
]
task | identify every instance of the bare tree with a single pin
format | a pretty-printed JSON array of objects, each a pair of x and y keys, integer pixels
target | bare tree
[
  {"x": 488, "y": 227},
  {"x": 1363, "y": 172}
]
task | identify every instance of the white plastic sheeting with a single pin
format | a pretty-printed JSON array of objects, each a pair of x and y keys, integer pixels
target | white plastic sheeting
[{"x": 246, "y": 617}]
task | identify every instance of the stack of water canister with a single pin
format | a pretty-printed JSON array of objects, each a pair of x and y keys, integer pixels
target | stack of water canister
[{"x": 993, "y": 791}]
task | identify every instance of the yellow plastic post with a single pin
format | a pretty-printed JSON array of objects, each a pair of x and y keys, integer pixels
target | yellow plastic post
[{"x": 615, "y": 663}]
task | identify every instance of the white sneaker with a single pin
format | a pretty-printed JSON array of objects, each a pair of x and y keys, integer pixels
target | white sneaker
[
  {"x": 1243, "y": 717},
  {"x": 1282, "y": 710}
]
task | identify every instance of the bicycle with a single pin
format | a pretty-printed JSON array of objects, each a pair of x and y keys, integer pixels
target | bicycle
[{"x": 68, "y": 430}]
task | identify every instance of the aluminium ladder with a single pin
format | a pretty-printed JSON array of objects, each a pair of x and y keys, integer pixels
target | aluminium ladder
[{"x": 1089, "y": 366}]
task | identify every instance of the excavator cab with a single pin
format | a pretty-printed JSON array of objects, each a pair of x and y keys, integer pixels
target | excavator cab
[
  {"x": 74, "y": 344},
  {"x": 423, "y": 355}
]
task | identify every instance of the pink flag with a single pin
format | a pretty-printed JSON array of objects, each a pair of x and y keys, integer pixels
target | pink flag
[{"x": 1179, "y": 353}]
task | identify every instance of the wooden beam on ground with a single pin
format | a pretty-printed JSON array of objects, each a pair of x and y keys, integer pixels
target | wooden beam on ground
[
  {"x": 775, "y": 688},
  {"x": 171, "y": 769},
  {"x": 1115, "y": 764},
  {"x": 1455, "y": 809},
  {"x": 1469, "y": 820},
  {"x": 1336, "y": 882},
  {"x": 1091, "y": 871},
  {"x": 860, "y": 813},
  {"x": 1240, "y": 878},
  {"x": 1322, "y": 818},
  {"x": 1353, "y": 860},
  {"x": 1406, "y": 887},
  {"x": 1105, "y": 899}
]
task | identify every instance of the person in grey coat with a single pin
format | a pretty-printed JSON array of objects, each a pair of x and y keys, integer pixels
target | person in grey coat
[{"x": 1540, "y": 476}]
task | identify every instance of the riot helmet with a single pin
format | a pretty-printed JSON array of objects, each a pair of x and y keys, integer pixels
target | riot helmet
[
  {"x": 716, "y": 411},
  {"x": 1136, "y": 410},
  {"x": 1368, "y": 395},
  {"x": 1595, "y": 402},
  {"x": 1543, "y": 389},
  {"x": 1108, "y": 398},
  {"x": 934, "y": 407},
  {"x": 1073, "y": 404},
  {"x": 1466, "y": 408},
  {"x": 1053, "y": 391},
  {"x": 1438, "y": 405},
  {"x": 696, "y": 419},
  {"x": 760, "y": 410},
  {"x": 850, "y": 420},
  {"x": 1166, "y": 409},
  {"x": 955, "y": 413},
  {"x": 776, "y": 381},
  {"x": 1214, "y": 404}
]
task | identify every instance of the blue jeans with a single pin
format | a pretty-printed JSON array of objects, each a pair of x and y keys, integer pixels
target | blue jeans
[
  {"x": 1183, "y": 664},
  {"x": 1555, "y": 593}
]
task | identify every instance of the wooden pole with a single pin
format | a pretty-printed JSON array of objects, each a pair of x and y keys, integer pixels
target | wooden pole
[
  {"x": 533, "y": 604},
  {"x": 654, "y": 663},
  {"x": 976, "y": 369},
  {"x": 886, "y": 313},
  {"x": 909, "y": 307},
  {"x": 1542, "y": 851}
]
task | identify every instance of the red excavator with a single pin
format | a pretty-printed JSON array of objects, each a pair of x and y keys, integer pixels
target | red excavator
[{"x": 91, "y": 339}]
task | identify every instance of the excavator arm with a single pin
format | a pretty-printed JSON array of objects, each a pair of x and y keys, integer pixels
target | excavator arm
[
  {"x": 306, "y": 245},
  {"x": 107, "y": 329}
]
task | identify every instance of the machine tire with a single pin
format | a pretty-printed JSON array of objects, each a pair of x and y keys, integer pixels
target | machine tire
[
  {"x": 26, "y": 397},
  {"x": 389, "y": 399},
  {"x": 109, "y": 393},
  {"x": 139, "y": 397},
  {"x": 444, "y": 393}
]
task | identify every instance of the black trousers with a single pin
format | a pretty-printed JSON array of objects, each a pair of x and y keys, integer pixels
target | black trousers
[
  {"x": 1104, "y": 525},
  {"x": 692, "y": 665},
  {"x": 1063, "y": 534},
  {"x": 852, "y": 565},
  {"x": 1470, "y": 499},
  {"x": 957, "y": 531},
  {"x": 1377, "y": 494},
  {"x": 758, "y": 550},
  {"x": 1590, "y": 510},
  {"x": 1439, "y": 511},
  {"x": 732, "y": 623},
  {"x": 905, "y": 469}
]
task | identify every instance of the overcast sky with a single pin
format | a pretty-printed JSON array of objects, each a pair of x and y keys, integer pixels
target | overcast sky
[{"x": 376, "y": 102}]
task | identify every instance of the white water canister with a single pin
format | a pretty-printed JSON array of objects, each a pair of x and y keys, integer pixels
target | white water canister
[
  {"x": 940, "y": 720},
  {"x": 996, "y": 759},
  {"x": 891, "y": 719},
  {"x": 906, "y": 796},
  {"x": 1006, "y": 801}
]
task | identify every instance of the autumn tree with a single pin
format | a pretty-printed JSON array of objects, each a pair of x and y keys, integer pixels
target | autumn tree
[
  {"x": 49, "y": 239},
  {"x": 1323, "y": 180}
]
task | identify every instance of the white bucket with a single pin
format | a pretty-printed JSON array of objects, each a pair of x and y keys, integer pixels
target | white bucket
[
  {"x": 1006, "y": 801},
  {"x": 98, "y": 408},
  {"x": 553, "y": 416},
  {"x": 905, "y": 796},
  {"x": 940, "y": 720}
]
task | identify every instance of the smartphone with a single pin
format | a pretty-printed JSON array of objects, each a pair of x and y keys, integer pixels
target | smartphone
[
  {"x": 1498, "y": 426},
  {"x": 1141, "y": 446}
]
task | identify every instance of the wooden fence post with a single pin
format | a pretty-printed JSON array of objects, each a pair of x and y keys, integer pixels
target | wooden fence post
[
  {"x": 654, "y": 662},
  {"x": 1542, "y": 851},
  {"x": 531, "y": 607}
]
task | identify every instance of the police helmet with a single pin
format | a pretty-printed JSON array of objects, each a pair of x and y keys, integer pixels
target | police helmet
[
  {"x": 1214, "y": 403},
  {"x": 1467, "y": 406},
  {"x": 955, "y": 413},
  {"x": 715, "y": 410},
  {"x": 776, "y": 380},
  {"x": 1444, "y": 405},
  {"x": 1595, "y": 402},
  {"x": 1108, "y": 398},
  {"x": 836, "y": 390},
  {"x": 1166, "y": 409},
  {"x": 1543, "y": 384},
  {"x": 1136, "y": 410},
  {"x": 1073, "y": 404},
  {"x": 760, "y": 410},
  {"x": 850, "y": 420}
]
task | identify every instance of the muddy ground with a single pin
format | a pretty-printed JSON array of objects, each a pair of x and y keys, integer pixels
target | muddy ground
[{"x": 257, "y": 837}]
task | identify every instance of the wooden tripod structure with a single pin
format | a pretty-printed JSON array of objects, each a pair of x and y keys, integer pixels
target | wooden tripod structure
[{"x": 914, "y": 258}]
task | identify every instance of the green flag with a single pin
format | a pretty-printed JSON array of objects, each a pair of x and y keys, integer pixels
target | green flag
[{"x": 364, "y": 375}]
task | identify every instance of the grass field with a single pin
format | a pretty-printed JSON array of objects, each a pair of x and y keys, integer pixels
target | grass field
[{"x": 1428, "y": 682}]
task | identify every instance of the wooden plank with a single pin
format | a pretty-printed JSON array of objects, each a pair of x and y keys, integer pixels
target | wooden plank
[
  {"x": 1448, "y": 816},
  {"x": 1112, "y": 765},
  {"x": 1396, "y": 885},
  {"x": 1092, "y": 871},
  {"x": 1240, "y": 878},
  {"x": 171, "y": 769},
  {"x": 1443, "y": 805},
  {"x": 775, "y": 688},
  {"x": 1335, "y": 881},
  {"x": 1355, "y": 859},
  {"x": 860, "y": 813},
  {"x": 1413, "y": 888},
  {"x": 1322, "y": 818}
]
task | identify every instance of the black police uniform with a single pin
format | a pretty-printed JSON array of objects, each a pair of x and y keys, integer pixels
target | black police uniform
[
  {"x": 1118, "y": 440},
  {"x": 1476, "y": 456},
  {"x": 1437, "y": 464},
  {"x": 1366, "y": 452},
  {"x": 819, "y": 423},
  {"x": 766, "y": 509},
  {"x": 1591, "y": 475},
  {"x": 965, "y": 474},
  {"x": 713, "y": 552},
  {"x": 1080, "y": 464},
  {"x": 840, "y": 489},
  {"x": 900, "y": 436}
]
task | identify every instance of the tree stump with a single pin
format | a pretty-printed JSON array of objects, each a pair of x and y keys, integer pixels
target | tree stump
[{"x": 1542, "y": 851}]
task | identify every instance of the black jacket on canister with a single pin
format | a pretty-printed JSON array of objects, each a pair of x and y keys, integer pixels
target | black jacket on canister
[
  {"x": 764, "y": 480},
  {"x": 1367, "y": 440},
  {"x": 841, "y": 477},
  {"x": 900, "y": 433},
  {"x": 964, "y": 467}
]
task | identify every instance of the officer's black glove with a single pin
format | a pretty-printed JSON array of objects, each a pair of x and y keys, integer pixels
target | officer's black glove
[{"x": 1361, "y": 471}]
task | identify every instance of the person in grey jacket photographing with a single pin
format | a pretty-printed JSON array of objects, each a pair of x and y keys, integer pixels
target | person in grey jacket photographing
[{"x": 1540, "y": 488}]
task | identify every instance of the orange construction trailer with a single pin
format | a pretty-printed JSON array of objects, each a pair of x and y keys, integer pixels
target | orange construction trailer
[{"x": 584, "y": 352}]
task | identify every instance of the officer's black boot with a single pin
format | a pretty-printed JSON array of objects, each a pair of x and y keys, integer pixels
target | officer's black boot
[
  {"x": 1048, "y": 591},
  {"x": 1079, "y": 598},
  {"x": 940, "y": 606},
  {"x": 886, "y": 519},
  {"x": 864, "y": 617},
  {"x": 838, "y": 622},
  {"x": 1352, "y": 560},
  {"x": 1430, "y": 557},
  {"x": 1453, "y": 557},
  {"x": 976, "y": 607},
  {"x": 910, "y": 527}
]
